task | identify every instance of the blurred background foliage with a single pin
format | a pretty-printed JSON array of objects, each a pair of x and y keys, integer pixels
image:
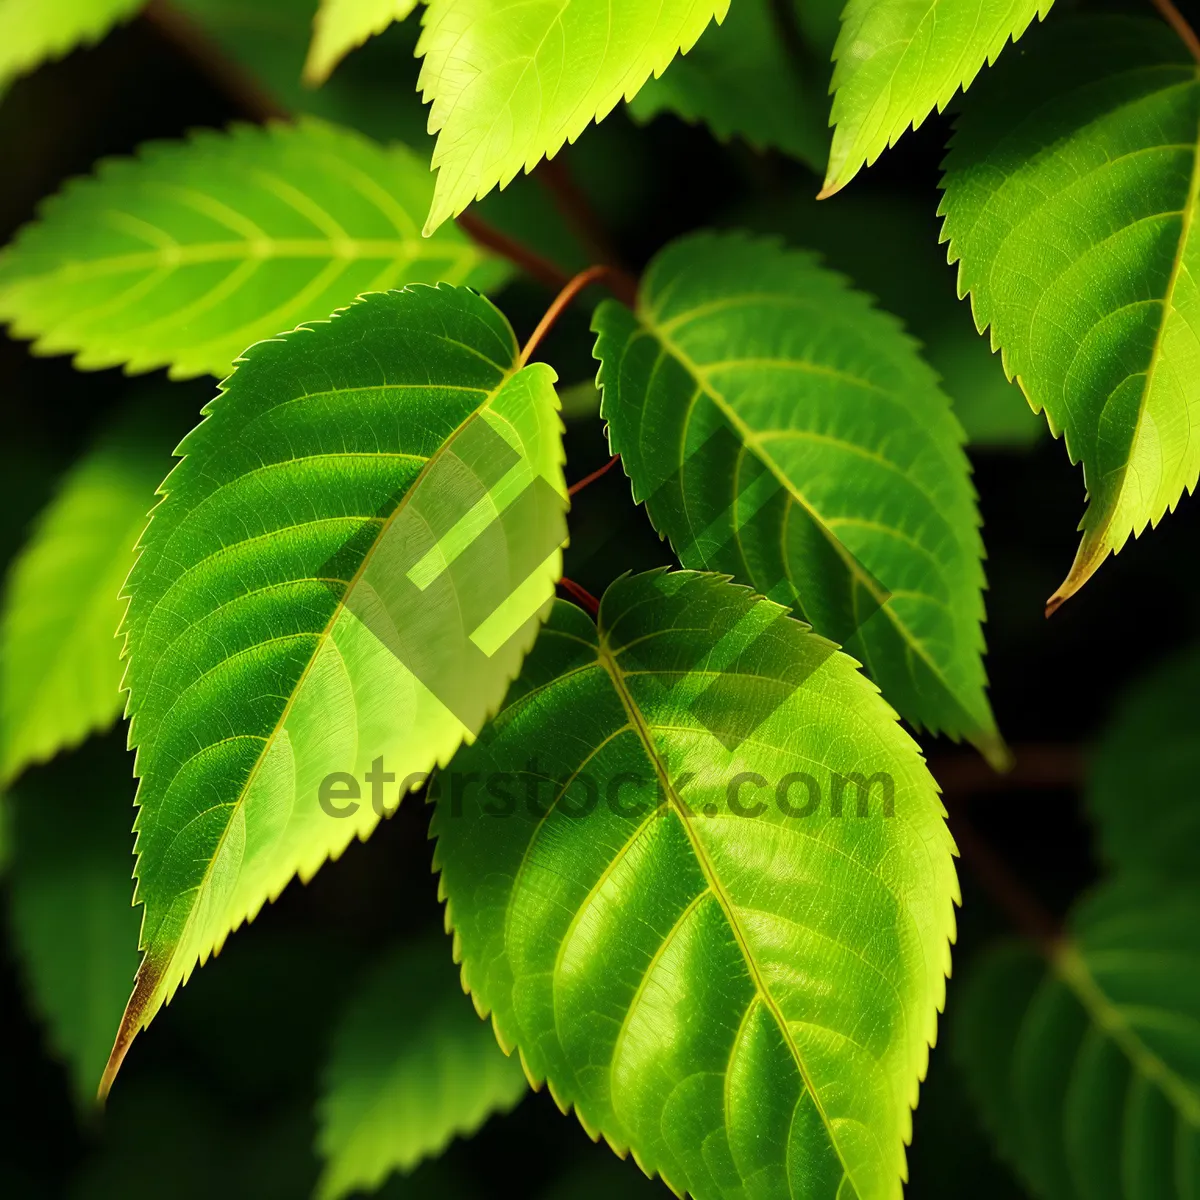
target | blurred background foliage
[{"x": 222, "y": 1098}]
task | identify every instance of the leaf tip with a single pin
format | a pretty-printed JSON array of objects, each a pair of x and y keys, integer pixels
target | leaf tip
[
  {"x": 995, "y": 751},
  {"x": 136, "y": 1017},
  {"x": 1093, "y": 550}
]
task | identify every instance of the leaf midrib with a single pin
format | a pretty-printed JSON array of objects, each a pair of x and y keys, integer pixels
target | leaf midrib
[
  {"x": 716, "y": 888},
  {"x": 751, "y": 438},
  {"x": 1070, "y": 965},
  {"x": 322, "y": 638},
  {"x": 244, "y": 249}
]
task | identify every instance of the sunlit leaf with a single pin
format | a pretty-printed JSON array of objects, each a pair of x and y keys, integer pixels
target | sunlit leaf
[
  {"x": 346, "y": 569},
  {"x": 32, "y": 31},
  {"x": 1071, "y": 188},
  {"x": 187, "y": 254},
  {"x": 897, "y": 61},
  {"x": 341, "y": 25},
  {"x": 784, "y": 431},
  {"x": 511, "y": 81},
  {"x": 1088, "y": 1071},
  {"x": 412, "y": 1066},
  {"x": 374, "y": 91},
  {"x": 725, "y": 963}
]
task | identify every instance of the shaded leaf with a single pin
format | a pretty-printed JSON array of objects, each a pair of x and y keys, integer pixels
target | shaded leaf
[
  {"x": 341, "y": 25},
  {"x": 270, "y": 40},
  {"x": 511, "y": 81},
  {"x": 897, "y": 61},
  {"x": 1088, "y": 1071},
  {"x": 374, "y": 92},
  {"x": 73, "y": 927},
  {"x": 1070, "y": 192},
  {"x": 741, "y": 80},
  {"x": 345, "y": 570},
  {"x": 782, "y": 430},
  {"x": 736, "y": 982},
  {"x": 887, "y": 245},
  {"x": 60, "y": 660},
  {"x": 187, "y": 254},
  {"x": 1143, "y": 772},
  {"x": 411, "y": 1068},
  {"x": 32, "y": 31}
]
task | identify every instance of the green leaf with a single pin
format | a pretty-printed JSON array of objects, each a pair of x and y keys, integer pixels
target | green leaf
[
  {"x": 192, "y": 251},
  {"x": 741, "y": 994},
  {"x": 1088, "y": 1071},
  {"x": 741, "y": 80},
  {"x": 374, "y": 92},
  {"x": 784, "y": 431},
  {"x": 73, "y": 927},
  {"x": 411, "y": 1068},
  {"x": 60, "y": 660},
  {"x": 372, "y": 510},
  {"x": 341, "y": 25},
  {"x": 32, "y": 31},
  {"x": 1149, "y": 753},
  {"x": 511, "y": 82},
  {"x": 896, "y": 61},
  {"x": 1071, "y": 189},
  {"x": 887, "y": 245},
  {"x": 270, "y": 41}
]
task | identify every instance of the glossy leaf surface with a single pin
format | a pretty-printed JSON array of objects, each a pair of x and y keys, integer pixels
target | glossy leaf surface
[
  {"x": 412, "y": 1067},
  {"x": 1088, "y": 1072},
  {"x": 898, "y": 60},
  {"x": 346, "y": 569},
  {"x": 32, "y": 31},
  {"x": 341, "y": 25},
  {"x": 741, "y": 80},
  {"x": 60, "y": 659},
  {"x": 510, "y": 81},
  {"x": 722, "y": 960},
  {"x": 783, "y": 430},
  {"x": 1071, "y": 192},
  {"x": 187, "y": 254}
]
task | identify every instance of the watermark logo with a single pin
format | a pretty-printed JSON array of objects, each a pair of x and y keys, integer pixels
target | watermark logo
[
  {"x": 532, "y": 794},
  {"x": 444, "y": 587},
  {"x": 447, "y": 582}
]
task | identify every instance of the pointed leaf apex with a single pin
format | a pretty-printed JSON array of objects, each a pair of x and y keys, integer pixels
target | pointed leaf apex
[{"x": 1093, "y": 550}]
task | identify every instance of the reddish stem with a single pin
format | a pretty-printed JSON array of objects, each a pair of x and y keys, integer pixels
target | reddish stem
[
  {"x": 581, "y": 595},
  {"x": 190, "y": 38},
  {"x": 530, "y": 261},
  {"x": 571, "y": 201},
  {"x": 1178, "y": 22},
  {"x": 564, "y": 297},
  {"x": 590, "y": 479},
  {"x": 1009, "y": 893}
]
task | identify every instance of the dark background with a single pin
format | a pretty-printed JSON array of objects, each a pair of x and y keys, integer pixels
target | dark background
[{"x": 217, "y": 1097}]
